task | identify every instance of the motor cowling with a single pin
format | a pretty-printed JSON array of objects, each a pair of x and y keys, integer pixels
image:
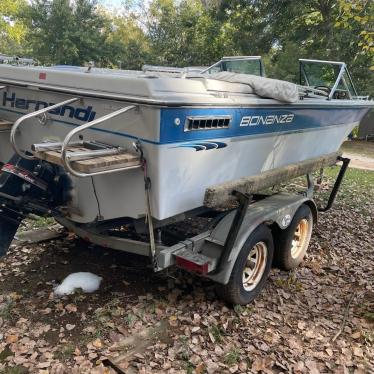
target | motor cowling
[{"x": 29, "y": 186}]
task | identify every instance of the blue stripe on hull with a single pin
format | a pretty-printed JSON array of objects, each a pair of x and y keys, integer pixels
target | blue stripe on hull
[
  {"x": 302, "y": 119},
  {"x": 305, "y": 119}
]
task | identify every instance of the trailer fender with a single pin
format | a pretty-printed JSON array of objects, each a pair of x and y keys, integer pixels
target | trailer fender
[{"x": 277, "y": 209}]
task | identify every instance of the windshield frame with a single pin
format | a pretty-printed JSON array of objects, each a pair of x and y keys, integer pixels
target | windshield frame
[
  {"x": 237, "y": 58},
  {"x": 339, "y": 79}
]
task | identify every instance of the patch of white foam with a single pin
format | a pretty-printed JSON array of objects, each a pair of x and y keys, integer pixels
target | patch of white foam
[{"x": 88, "y": 282}]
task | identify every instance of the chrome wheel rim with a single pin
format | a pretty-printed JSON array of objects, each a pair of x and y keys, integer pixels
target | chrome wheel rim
[
  {"x": 300, "y": 238},
  {"x": 255, "y": 266}
]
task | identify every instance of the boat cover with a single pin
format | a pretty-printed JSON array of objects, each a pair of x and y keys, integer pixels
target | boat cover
[{"x": 265, "y": 87}]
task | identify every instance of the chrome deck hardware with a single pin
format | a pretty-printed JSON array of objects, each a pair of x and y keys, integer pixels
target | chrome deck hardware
[{"x": 39, "y": 112}]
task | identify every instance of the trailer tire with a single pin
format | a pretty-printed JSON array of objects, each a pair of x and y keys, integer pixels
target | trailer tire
[
  {"x": 292, "y": 243},
  {"x": 237, "y": 290}
]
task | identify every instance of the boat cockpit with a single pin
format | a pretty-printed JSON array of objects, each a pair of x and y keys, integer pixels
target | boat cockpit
[{"x": 328, "y": 78}]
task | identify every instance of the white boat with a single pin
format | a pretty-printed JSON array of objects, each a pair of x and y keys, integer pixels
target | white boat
[{"x": 194, "y": 128}]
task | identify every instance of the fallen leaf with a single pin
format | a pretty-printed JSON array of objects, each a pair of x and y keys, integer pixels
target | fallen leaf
[
  {"x": 71, "y": 308},
  {"x": 357, "y": 351},
  {"x": 11, "y": 339},
  {"x": 200, "y": 368},
  {"x": 312, "y": 366},
  {"x": 261, "y": 364},
  {"x": 97, "y": 343}
]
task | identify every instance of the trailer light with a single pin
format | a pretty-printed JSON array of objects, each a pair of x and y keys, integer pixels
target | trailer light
[{"x": 192, "y": 266}]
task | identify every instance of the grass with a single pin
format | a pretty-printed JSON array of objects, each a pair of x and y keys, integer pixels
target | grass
[
  {"x": 185, "y": 349},
  {"x": 369, "y": 316},
  {"x": 6, "y": 352},
  {"x": 130, "y": 319},
  {"x": 64, "y": 352},
  {"x": 38, "y": 223},
  {"x": 217, "y": 333},
  {"x": 238, "y": 309},
  {"x": 111, "y": 311},
  {"x": 357, "y": 189},
  {"x": 291, "y": 282},
  {"x": 6, "y": 310},
  {"x": 353, "y": 178},
  {"x": 14, "y": 370},
  {"x": 189, "y": 367},
  {"x": 232, "y": 357}
]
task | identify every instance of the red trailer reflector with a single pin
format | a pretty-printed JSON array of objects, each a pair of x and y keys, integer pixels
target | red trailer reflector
[
  {"x": 192, "y": 266},
  {"x": 42, "y": 75}
]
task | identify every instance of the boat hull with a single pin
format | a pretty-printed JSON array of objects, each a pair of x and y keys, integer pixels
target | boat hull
[{"x": 182, "y": 163}]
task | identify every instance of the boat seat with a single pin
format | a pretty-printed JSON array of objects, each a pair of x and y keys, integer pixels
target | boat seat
[
  {"x": 90, "y": 163},
  {"x": 5, "y": 125}
]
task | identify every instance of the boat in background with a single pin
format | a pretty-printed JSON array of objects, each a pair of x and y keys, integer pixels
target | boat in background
[{"x": 15, "y": 60}]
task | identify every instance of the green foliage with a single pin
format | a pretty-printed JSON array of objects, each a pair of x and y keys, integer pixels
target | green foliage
[
  {"x": 232, "y": 357},
  {"x": 12, "y": 29},
  {"x": 193, "y": 33},
  {"x": 127, "y": 42},
  {"x": 217, "y": 333},
  {"x": 359, "y": 15},
  {"x": 14, "y": 370},
  {"x": 184, "y": 33},
  {"x": 7, "y": 309},
  {"x": 64, "y": 352},
  {"x": 62, "y": 32}
]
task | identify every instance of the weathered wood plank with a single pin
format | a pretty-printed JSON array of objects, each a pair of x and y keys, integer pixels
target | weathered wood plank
[
  {"x": 221, "y": 194},
  {"x": 5, "y": 125},
  {"x": 53, "y": 157},
  {"x": 92, "y": 164},
  {"x": 81, "y": 167}
]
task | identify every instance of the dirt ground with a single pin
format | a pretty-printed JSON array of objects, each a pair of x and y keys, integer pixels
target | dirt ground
[
  {"x": 316, "y": 319},
  {"x": 361, "y": 154}
]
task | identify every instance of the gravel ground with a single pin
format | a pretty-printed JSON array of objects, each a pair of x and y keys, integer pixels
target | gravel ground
[{"x": 316, "y": 319}]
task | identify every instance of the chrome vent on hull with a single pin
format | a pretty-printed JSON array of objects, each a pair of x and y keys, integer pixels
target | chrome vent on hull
[{"x": 207, "y": 123}]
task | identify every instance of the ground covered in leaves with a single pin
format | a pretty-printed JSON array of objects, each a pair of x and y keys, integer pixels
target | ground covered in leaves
[{"x": 316, "y": 319}]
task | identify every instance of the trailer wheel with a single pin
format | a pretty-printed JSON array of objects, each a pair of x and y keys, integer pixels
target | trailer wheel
[
  {"x": 293, "y": 242},
  {"x": 251, "y": 268}
]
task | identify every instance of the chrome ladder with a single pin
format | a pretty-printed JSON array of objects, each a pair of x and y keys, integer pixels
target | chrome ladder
[{"x": 79, "y": 158}]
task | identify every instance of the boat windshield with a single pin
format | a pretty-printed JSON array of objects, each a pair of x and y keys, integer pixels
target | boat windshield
[
  {"x": 329, "y": 76},
  {"x": 242, "y": 65}
]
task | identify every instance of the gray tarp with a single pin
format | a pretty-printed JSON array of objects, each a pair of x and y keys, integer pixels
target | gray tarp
[{"x": 265, "y": 87}]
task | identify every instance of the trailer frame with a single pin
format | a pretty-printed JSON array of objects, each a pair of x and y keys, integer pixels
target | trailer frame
[{"x": 212, "y": 252}]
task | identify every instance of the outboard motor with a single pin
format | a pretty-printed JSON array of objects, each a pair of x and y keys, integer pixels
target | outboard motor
[{"x": 28, "y": 186}]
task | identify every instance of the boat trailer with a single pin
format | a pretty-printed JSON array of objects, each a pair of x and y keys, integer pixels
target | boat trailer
[
  {"x": 234, "y": 239},
  {"x": 280, "y": 222}
]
